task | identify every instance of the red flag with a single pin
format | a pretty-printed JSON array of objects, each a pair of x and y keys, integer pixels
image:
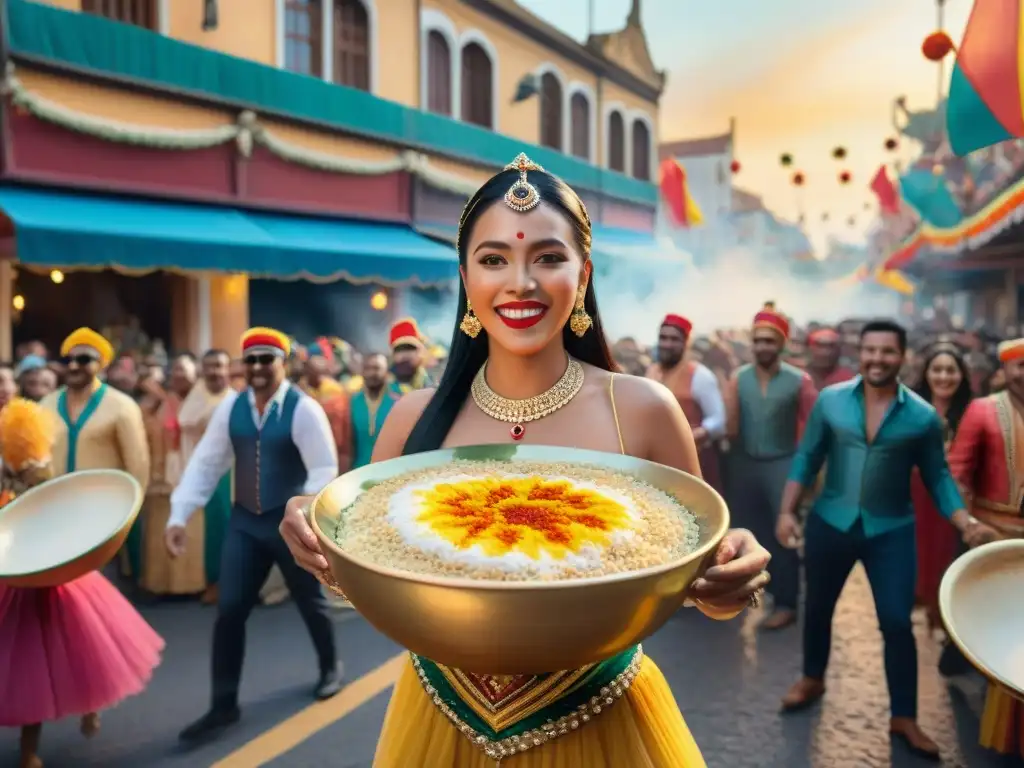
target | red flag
[
  {"x": 886, "y": 193},
  {"x": 682, "y": 208}
]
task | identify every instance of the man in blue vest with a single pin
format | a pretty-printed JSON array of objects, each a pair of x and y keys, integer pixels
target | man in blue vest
[
  {"x": 281, "y": 445},
  {"x": 767, "y": 404}
]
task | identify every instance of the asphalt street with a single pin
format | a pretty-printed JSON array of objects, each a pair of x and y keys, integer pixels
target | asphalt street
[{"x": 726, "y": 676}]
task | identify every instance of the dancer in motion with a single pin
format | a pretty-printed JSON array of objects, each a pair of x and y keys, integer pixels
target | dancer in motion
[
  {"x": 529, "y": 323},
  {"x": 281, "y": 444},
  {"x": 72, "y": 650},
  {"x": 873, "y": 431}
]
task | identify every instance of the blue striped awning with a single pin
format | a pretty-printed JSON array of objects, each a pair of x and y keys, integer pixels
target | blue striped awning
[{"x": 59, "y": 229}]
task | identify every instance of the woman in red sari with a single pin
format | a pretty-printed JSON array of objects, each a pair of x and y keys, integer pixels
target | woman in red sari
[{"x": 946, "y": 384}]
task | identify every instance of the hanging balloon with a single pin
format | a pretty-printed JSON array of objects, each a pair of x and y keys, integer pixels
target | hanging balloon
[
  {"x": 798, "y": 179},
  {"x": 891, "y": 144},
  {"x": 845, "y": 177},
  {"x": 735, "y": 166},
  {"x": 937, "y": 46},
  {"x": 786, "y": 160},
  {"x": 839, "y": 153}
]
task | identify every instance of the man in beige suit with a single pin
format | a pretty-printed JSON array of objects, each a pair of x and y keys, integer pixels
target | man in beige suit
[{"x": 98, "y": 426}]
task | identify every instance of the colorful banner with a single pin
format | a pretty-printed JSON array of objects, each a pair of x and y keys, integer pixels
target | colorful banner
[{"x": 973, "y": 232}]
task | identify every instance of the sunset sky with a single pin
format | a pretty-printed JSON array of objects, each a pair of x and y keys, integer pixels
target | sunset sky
[{"x": 799, "y": 76}]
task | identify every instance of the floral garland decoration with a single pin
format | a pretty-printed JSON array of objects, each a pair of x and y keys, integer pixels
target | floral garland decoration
[{"x": 247, "y": 132}]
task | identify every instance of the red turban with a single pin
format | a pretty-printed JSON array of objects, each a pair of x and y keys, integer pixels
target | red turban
[
  {"x": 824, "y": 335},
  {"x": 680, "y": 322},
  {"x": 770, "y": 318}
]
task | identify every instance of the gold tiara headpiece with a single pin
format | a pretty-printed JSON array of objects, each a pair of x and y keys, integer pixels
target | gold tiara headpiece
[{"x": 522, "y": 196}]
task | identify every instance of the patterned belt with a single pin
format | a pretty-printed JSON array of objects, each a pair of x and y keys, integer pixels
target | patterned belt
[{"x": 507, "y": 714}]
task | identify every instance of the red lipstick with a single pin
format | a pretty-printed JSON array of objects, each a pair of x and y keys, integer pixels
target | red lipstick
[{"x": 521, "y": 315}]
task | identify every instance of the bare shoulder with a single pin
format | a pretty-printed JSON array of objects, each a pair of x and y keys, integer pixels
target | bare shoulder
[
  {"x": 400, "y": 422},
  {"x": 412, "y": 404},
  {"x": 639, "y": 397}
]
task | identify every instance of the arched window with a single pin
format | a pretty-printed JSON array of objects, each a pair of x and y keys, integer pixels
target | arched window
[
  {"x": 579, "y": 116},
  {"x": 439, "y": 74},
  {"x": 477, "y": 86},
  {"x": 304, "y": 37},
  {"x": 641, "y": 150},
  {"x": 550, "y": 111},
  {"x": 617, "y": 142},
  {"x": 141, "y": 13},
  {"x": 351, "y": 44}
]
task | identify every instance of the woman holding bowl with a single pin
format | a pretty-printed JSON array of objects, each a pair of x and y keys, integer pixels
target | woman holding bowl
[{"x": 530, "y": 340}]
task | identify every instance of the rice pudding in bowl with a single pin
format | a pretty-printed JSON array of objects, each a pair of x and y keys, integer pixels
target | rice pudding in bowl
[
  {"x": 440, "y": 552},
  {"x": 517, "y": 522}
]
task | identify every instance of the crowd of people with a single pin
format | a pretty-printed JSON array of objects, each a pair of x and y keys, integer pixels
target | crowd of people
[{"x": 830, "y": 444}]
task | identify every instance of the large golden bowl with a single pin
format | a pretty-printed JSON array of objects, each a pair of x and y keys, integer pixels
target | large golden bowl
[
  {"x": 980, "y": 600},
  {"x": 66, "y": 527},
  {"x": 501, "y": 627}
]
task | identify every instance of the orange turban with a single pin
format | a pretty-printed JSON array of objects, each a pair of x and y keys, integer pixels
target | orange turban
[
  {"x": 1011, "y": 350},
  {"x": 87, "y": 337}
]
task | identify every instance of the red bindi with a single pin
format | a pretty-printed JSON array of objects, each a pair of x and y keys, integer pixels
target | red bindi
[{"x": 520, "y": 235}]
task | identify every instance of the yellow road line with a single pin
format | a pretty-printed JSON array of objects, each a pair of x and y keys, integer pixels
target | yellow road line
[{"x": 290, "y": 733}]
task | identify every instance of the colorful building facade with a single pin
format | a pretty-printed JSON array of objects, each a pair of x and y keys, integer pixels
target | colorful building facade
[{"x": 213, "y": 143}]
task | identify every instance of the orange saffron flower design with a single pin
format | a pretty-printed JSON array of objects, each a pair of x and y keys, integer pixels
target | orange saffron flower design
[{"x": 532, "y": 516}]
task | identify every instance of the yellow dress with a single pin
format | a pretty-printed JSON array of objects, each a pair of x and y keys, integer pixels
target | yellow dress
[
  {"x": 642, "y": 729},
  {"x": 617, "y": 714}
]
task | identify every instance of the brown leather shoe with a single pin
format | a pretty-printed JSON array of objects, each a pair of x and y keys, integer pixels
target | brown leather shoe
[
  {"x": 805, "y": 692},
  {"x": 917, "y": 741},
  {"x": 210, "y": 595},
  {"x": 780, "y": 619},
  {"x": 90, "y": 724}
]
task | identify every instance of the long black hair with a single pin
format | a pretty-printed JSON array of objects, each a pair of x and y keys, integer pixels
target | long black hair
[
  {"x": 963, "y": 395},
  {"x": 466, "y": 355}
]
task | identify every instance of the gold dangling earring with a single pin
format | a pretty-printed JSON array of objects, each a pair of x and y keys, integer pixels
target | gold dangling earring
[
  {"x": 470, "y": 324},
  {"x": 580, "y": 321}
]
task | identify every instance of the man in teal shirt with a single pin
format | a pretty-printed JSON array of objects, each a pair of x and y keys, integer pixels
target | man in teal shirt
[
  {"x": 370, "y": 407},
  {"x": 870, "y": 432}
]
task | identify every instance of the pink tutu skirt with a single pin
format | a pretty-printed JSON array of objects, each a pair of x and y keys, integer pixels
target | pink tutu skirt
[{"x": 70, "y": 650}]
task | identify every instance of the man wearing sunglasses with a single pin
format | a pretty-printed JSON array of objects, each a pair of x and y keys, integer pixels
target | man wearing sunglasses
[
  {"x": 281, "y": 445},
  {"x": 98, "y": 426}
]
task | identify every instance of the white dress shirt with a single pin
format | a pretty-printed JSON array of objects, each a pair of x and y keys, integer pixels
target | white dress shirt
[
  {"x": 706, "y": 393},
  {"x": 215, "y": 454}
]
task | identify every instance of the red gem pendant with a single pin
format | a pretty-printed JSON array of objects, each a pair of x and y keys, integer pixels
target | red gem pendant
[{"x": 517, "y": 432}]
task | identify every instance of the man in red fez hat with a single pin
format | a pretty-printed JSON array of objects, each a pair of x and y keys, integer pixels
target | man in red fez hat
[
  {"x": 767, "y": 404},
  {"x": 823, "y": 366},
  {"x": 408, "y": 357},
  {"x": 696, "y": 389}
]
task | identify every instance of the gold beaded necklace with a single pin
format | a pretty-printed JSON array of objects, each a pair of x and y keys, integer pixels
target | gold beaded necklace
[{"x": 520, "y": 412}]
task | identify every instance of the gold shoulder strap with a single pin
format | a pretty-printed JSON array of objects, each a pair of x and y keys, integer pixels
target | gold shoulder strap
[{"x": 615, "y": 412}]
